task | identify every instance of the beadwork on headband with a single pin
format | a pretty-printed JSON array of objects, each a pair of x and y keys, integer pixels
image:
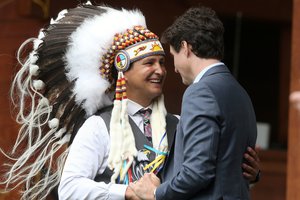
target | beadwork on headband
[{"x": 136, "y": 42}]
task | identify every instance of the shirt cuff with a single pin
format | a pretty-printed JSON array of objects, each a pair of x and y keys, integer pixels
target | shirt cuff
[{"x": 117, "y": 191}]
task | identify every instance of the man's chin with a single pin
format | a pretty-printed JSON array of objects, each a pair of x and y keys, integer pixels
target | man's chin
[
  {"x": 185, "y": 82},
  {"x": 157, "y": 93}
]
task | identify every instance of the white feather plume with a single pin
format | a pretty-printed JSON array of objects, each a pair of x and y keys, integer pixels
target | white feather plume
[{"x": 83, "y": 66}]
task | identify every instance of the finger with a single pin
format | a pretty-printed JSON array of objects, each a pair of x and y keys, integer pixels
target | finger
[
  {"x": 254, "y": 163},
  {"x": 154, "y": 177},
  {"x": 155, "y": 180},
  {"x": 147, "y": 176},
  {"x": 248, "y": 176},
  {"x": 258, "y": 148},
  {"x": 249, "y": 158},
  {"x": 131, "y": 185},
  {"x": 249, "y": 170},
  {"x": 253, "y": 153}
]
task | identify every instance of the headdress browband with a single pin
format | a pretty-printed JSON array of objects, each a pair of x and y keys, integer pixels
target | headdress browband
[
  {"x": 128, "y": 47},
  {"x": 137, "y": 51}
]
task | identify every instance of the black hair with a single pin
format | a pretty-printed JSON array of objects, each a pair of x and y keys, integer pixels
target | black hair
[{"x": 201, "y": 28}]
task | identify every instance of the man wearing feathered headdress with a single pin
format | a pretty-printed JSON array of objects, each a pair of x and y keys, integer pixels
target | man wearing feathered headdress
[{"x": 96, "y": 72}]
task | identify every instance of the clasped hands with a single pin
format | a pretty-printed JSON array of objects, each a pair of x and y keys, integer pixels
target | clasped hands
[{"x": 143, "y": 189}]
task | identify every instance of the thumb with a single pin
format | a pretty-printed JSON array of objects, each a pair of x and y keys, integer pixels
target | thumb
[{"x": 155, "y": 179}]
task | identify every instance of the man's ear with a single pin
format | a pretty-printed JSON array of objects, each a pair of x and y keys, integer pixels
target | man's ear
[{"x": 186, "y": 47}]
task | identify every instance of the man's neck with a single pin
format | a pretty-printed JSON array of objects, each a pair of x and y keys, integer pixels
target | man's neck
[{"x": 200, "y": 64}]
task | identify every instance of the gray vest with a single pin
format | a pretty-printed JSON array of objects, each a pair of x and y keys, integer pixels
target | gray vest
[{"x": 141, "y": 160}]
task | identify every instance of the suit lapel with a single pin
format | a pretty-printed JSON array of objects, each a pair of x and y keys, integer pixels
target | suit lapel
[{"x": 171, "y": 122}]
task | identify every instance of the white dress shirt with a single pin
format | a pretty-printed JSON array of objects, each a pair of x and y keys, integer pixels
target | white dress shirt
[{"x": 88, "y": 156}]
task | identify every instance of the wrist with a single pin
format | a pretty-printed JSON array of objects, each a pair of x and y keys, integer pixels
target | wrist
[{"x": 154, "y": 194}]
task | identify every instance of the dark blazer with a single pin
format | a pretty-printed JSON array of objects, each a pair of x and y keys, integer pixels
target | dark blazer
[{"x": 217, "y": 124}]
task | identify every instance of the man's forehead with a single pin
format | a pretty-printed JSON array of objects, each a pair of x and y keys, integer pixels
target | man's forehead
[{"x": 154, "y": 57}]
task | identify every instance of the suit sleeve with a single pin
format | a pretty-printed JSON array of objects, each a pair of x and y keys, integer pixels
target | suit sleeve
[{"x": 200, "y": 124}]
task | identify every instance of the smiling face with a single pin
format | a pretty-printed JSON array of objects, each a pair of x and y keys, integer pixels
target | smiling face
[{"x": 145, "y": 79}]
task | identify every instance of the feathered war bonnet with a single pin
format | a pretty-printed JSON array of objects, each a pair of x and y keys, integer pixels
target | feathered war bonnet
[{"x": 69, "y": 76}]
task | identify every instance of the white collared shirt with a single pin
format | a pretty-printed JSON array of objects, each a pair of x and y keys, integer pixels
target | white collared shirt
[
  {"x": 88, "y": 156},
  {"x": 200, "y": 75},
  {"x": 133, "y": 108}
]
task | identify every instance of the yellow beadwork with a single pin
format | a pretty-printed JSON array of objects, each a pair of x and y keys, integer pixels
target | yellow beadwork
[{"x": 156, "y": 162}]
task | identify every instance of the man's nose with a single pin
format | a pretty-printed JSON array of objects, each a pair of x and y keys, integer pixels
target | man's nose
[{"x": 160, "y": 69}]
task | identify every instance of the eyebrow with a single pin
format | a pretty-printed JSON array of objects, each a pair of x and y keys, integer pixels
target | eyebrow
[
  {"x": 148, "y": 59},
  {"x": 153, "y": 59}
]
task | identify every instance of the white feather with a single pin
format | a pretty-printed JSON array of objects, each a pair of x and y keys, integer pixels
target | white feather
[
  {"x": 53, "y": 123},
  {"x": 88, "y": 44},
  {"x": 36, "y": 43},
  {"x": 61, "y": 15},
  {"x": 38, "y": 84},
  {"x": 33, "y": 70},
  {"x": 44, "y": 102},
  {"x": 59, "y": 133},
  {"x": 33, "y": 57}
]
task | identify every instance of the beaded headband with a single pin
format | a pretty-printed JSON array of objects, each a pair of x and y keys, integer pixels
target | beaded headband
[
  {"x": 136, "y": 52},
  {"x": 128, "y": 47}
]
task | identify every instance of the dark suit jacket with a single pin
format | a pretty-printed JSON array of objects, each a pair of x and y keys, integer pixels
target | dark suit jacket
[{"x": 217, "y": 124}]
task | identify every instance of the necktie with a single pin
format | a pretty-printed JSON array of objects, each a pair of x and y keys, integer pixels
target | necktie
[{"x": 146, "y": 121}]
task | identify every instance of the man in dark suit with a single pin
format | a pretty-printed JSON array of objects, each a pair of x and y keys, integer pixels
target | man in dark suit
[{"x": 217, "y": 121}]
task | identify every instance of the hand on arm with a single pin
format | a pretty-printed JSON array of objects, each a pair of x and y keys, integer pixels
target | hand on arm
[{"x": 252, "y": 168}]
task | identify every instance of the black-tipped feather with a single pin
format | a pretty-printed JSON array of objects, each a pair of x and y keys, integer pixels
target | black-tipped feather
[
  {"x": 77, "y": 121},
  {"x": 52, "y": 67}
]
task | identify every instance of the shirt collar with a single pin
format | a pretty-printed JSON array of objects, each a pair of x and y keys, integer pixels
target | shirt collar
[
  {"x": 133, "y": 107},
  {"x": 200, "y": 75}
]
